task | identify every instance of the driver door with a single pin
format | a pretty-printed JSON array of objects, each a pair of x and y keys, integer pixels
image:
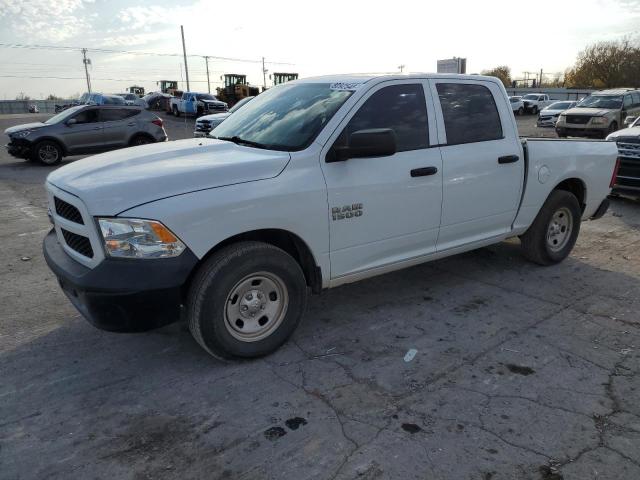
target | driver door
[
  {"x": 385, "y": 210},
  {"x": 85, "y": 135}
]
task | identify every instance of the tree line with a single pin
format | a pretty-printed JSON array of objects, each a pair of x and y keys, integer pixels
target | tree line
[{"x": 606, "y": 64}]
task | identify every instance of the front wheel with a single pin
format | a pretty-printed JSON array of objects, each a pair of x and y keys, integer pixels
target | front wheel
[
  {"x": 176, "y": 112},
  {"x": 554, "y": 232},
  {"x": 246, "y": 300},
  {"x": 47, "y": 152},
  {"x": 534, "y": 109}
]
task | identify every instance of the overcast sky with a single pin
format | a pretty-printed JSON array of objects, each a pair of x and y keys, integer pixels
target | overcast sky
[{"x": 315, "y": 37}]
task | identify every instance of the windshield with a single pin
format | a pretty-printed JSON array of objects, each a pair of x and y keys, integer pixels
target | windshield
[
  {"x": 205, "y": 96},
  {"x": 239, "y": 104},
  {"x": 531, "y": 97},
  {"x": 287, "y": 117},
  {"x": 62, "y": 116},
  {"x": 514, "y": 99},
  {"x": 602, "y": 101},
  {"x": 559, "y": 106}
]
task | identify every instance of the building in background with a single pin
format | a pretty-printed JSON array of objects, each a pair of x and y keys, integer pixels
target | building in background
[{"x": 452, "y": 65}]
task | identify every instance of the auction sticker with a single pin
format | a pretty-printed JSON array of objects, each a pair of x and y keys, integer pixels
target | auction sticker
[{"x": 350, "y": 86}]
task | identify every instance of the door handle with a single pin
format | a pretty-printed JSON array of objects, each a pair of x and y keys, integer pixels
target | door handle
[
  {"x": 424, "y": 171},
  {"x": 131, "y": 124},
  {"x": 508, "y": 159}
]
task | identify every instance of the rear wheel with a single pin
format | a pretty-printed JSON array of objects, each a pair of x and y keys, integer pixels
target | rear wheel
[
  {"x": 47, "y": 152},
  {"x": 554, "y": 232},
  {"x": 246, "y": 300},
  {"x": 140, "y": 140}
]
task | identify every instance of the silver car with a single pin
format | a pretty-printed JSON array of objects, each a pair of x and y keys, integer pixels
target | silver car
[
  {"x": 204, "y": 125},
  {"x": 84, "y": 129},
  {"x": 549, "y": 115}
]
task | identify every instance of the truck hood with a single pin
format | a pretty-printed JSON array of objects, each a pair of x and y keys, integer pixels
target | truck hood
[
  {"x": 544, "y": 112},
  {"x": 633, "y": 132},
  {"x": 24, "y": 126},
  {"x": 592, "y": 112},
  {"x": 214, "y": 116},
  {"x": 113, "y": 182}
]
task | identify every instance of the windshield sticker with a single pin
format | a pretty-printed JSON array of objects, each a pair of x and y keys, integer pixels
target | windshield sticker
[{"x": 350, "y": 86}]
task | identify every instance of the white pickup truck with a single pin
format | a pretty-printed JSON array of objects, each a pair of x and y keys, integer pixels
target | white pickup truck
[{"x": 313, "y": 184}]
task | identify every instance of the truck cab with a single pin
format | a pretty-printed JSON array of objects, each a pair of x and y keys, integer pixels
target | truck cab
[{"x": 194, "y": 103}]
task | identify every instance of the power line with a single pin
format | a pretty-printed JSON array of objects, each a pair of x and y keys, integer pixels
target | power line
[
  {"x": 132, "y": 52},
  {"x": 101, "y": 79}
]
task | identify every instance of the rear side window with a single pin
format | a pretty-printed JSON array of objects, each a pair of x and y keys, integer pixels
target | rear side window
[
  {"x": 115, "y": 114},
  {"x": 401, "y": 108},
  {"x": 627, "y": 101},
  {"x": 470, "y": 113}
]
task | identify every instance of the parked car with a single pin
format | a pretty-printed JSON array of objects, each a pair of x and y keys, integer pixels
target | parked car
[
  {"x": 192, "y": 103},
  {"x": 132, "y": 99},
  {"x": 313, "y": 184},
  {"x": 628, "y": 172},
  {"x": 549, "y": 114},
  {"x": 100, "y": 99},
  {"x": 84, "y": 129},
  {"x": 534, "y": 102},
  {"x": 204, "y": 125},
  {"x": 157, "y": 100},
  {"x": 599, "y": 114},
  {"x": 517, "y": 105}
]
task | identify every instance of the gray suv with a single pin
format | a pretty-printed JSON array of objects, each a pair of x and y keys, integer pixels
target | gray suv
[{"x": 84, "y": 129}]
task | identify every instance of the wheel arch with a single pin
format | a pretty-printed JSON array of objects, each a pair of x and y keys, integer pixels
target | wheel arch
[
  {"x": 577, "y": 187},
  {"x": 141, "y": 134},
  {"x": 283, "y": 239}
]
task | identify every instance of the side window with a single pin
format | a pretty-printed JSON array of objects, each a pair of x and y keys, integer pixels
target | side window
[
  {"x": 402, "y": 108},
  {"x": 470, "y": 113},
  {"x": 627, "y": 102},
  {"x": 87, "y": 116},
  {"x": 115, "y": 114}
]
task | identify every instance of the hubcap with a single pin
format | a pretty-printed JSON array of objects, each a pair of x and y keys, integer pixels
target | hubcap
[
  {"x": 48, "y": 154},
  {"x": 256, "y": 306},
  {"x": 559, "y": 230}
]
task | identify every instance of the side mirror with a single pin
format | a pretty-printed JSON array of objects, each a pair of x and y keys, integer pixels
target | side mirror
[
  {"x": 375, "y": 142},
  {"x": 71, "y": 121},
  {"x": 629, "y": 120}
]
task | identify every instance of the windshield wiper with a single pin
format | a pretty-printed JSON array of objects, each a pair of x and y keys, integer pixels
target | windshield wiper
[{"x": 240, "y": 141}]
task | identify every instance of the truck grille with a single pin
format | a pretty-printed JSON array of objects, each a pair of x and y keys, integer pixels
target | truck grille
[
  {"x": 578, "y": 119},
  {"x": 79, "y": 243},
  {"x": 203, "y": 126},
  {"x": 68, "y": 211},
  {"x": 629, "y": 169}
]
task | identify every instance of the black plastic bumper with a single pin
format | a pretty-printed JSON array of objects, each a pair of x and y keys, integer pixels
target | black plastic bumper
[
  {"x": 582, "y": 132},
  {"x": 602, "y": 209},
  {"x": 122, "y": 295},
  {"x": 19, "y": 149}
]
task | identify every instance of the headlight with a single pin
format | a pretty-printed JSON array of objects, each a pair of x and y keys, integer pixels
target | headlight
[
  {"x": 22, "y": 134},
  {"x": 599, "y": 120},
  {"x": 562, "y": 118},
  {"x": 134, "y": 238}
]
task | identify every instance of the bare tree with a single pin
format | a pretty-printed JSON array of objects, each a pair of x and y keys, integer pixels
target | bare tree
[
  {"x": 502, "y": 72},
  {"x": 606, "y": 65}
]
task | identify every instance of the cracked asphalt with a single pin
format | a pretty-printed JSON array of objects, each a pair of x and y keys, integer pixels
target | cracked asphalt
[{"x": 521, "y": 372}]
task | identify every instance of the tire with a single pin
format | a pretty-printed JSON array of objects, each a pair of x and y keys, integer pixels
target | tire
[
  {"x": 176, "y": 112},
  {"x": 561, "y": 133},
  {"x": 140, "y": 140},
  {"x": 612, "y": 128},
  {"x": 254, "y": 282},
  {"x": 47, "y": 153},
  {"x": 560, "y": 210},
  {"x": 520, "y": 111},
  {"x": 534, "y": 109}
]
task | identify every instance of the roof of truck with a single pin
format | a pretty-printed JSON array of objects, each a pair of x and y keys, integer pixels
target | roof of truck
[
  {"x": 361, "y": 78},
  {"x": 614, "y": 91}
]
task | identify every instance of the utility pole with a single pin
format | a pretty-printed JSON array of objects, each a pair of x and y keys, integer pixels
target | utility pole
[
  {"x": 206, "y": 59},
  {"x": 264, "y": 76},
  {"x": 86, "y": 61},
  {"x": 184, "y": 52},
  {"x": 540, "y": 81},
  {"x": 401, "y": 68}
]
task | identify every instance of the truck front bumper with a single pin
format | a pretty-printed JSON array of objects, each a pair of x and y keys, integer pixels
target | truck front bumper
[
  {"x": 122, "y": 295},
  {"x": 19, "y": 149}
]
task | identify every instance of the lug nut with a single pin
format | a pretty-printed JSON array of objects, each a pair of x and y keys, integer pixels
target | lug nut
[
  {"x": 244, "y": 308},
  {"x": 248, "y": 296}
]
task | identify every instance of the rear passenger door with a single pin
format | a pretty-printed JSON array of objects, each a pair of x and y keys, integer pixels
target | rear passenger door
[
  {"x": 118, "y": 126},
  {"x": 481, "y": 166},
  {"x": 385, "y": 210}
]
